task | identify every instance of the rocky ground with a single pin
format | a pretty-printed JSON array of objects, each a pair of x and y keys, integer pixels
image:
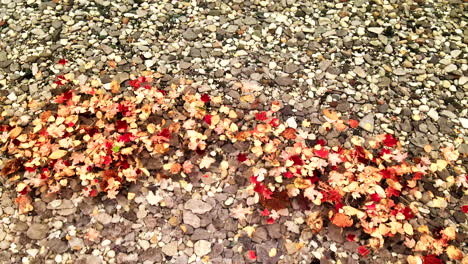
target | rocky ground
[{"x": 399, "y": 67}]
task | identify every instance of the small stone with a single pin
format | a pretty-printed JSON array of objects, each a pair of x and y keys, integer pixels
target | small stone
[
  {"x": 360, "y": 72},
  {"x": 12, "y": 96},
  {"x": 284, "y": 81},
  {"x": 192, "y": 219},
  {"x": 463, "y": 122},
  {"x": 170, "y": 249},
  {"x": 433, "y": 114},
  {"x": 103, "y": 218},
  {"x": 37, "y": 231},
  {"x": 399, "y": 71},
  {"x": 197, "y": 206},
  {"x": 376, "y": 30},
  {"x": 450, "y": 68},
  {"x": 367, "y": 123},
  {"x": 202, "y": 248},
  {"x": 463, "y": 80},
  {"x": 189, "y": 35},
  {"x": 291, "y": 68},
  {"x": 291, "y": 122},
  {"x": 32, "y": 252},
  {"x": 424, "y": 108}
]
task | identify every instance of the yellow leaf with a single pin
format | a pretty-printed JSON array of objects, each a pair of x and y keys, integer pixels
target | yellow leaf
[
  {"x": 58, "y": 154},
  {"x": 115, "y": 87},
  {"x": 249, "y": 230},
  {"x": 423, "y": 229},
  {"x": 454, "y": 253},
  {"x": 408, "y": 228}
]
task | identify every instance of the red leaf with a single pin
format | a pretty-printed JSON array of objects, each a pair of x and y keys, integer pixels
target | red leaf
[
  {"x": 207, "y": 119},
  {"x": 252, "y": 255},
  {"x": 431, "y": 259},
  {"x": 62, "y": 61},
  {"x": 297, "y": 160},
  {"x": 265, "y": 212},
  {"x": 351, "y": 237},
  {"x": 392, "y": 192},
  {"x": 375, "y": 197},
  {"x": 353, "y": 123},
  {"x": 270, "y": 221},
  {"x": 262, "y": 116},
  {"x": 127, "y": 137},
  {"x": 205, "y": 98},
  {"x": 464, "y": 208},
  {"x": 121, "y": 125},
  {"x": 288, "y": 174},
  {"x": 389, "y": 141},
  {"x": 274, "y": 122},
  {"x": 241, "y": 157},
  {"x": 322, "y": 153},
  {"x": 363, "y": 250}
]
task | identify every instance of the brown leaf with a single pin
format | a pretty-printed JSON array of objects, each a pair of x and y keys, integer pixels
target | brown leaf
[
  {"x": 289, "y": 133},
  {"x": 24, "y": 203},
  {"x": 342, "y": 220},
  {"x": 15, "y": 132},
  {"x": 58, "y": 154},
  {"x": 11, "y": 167},
  {"x": 278, "y": 201},
  {"x": 454, "y": 253},
  {"x": 315, "y": 221}
]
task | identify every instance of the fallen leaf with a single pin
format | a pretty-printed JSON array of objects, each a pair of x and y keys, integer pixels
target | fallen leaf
[
  {"x": 332, "y": 115},
  {"x": 315, "y": 221},
  {"x": 240, "y": 212},
  {"x": 15, "y": 132},
  {"x": 454, "y": 253},
  {"x": 353, "y": 123},
  {"x": 278, "y": 201},
  {"x": 58, "y": 154},
  {"x": 11, "y": 167},
  {"x": 408, "y": 228},
  {"x": 342, "y": 220},
  {"x": 289, "y": 133}
]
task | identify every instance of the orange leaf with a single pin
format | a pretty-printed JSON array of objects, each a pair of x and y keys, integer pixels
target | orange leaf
[
  {"x": 289, "y": 133},
  {"x": 24, "y": 203},
  {"x": 340, "y": 126},
  {"x": 342, "y": 220},
  {"x": 353, "y": 123},
  {"x": 15, "y": 132},
  {"x": 331, "y": 114}
]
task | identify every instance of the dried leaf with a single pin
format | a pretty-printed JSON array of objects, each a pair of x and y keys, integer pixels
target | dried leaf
[
  {"x": 24, "y": 203},
  {"x": 342, "y": 220},
  {"x": 11, "y": 167},
  {"x": 315, "y": 221},
  {"x": 330, "y": 114},
  {"x": 58, "y": 154},
  {"x": 289, "y": 133},
  {"x": 15, "y": 132},
  {"x": 278, "y": 201},
  {"x": 454, "y": 253},
  {"x": 408, "y": 228}
]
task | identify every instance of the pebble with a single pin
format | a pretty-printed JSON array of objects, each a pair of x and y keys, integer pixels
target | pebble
[
  {"x": 432, "y": 113},
  {"x": 291, "y": 122},
  {"x": 463, "y": 122},
  {"x": 450, "y": 68},
  {"x": 202, "y": 248},
  {"x": 37, "y": 231},
  {"x": 376, "y": 30},
  {"x": 170, "y": 249},
  {"x": 197, "y": 206},
  {"x": 367, "y": 122},
  {"x": 191, "y": 219}
]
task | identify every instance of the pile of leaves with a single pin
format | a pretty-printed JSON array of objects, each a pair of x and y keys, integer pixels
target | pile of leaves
[{"x": 102, "y": 136}]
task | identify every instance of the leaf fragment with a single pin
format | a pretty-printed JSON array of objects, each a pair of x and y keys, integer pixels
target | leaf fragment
[{"x": 58, "y": 154}]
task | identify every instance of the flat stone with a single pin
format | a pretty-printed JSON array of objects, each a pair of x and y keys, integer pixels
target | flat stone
[
  {"x": 37, "y": 231},
  {"x": 291, "y": 68},
  {"x": 432, "y": 113},
  {"x": 191, "y": 219},
  {"x": 189, "y": 35},
  {"x": 284, "y": 81},
  {"x": 103, "y": 218},
  {"x": 367, "y": 122},
  {"x": 56, "y": 245},
  {"x": 170, "y": 249},
  {"x": 463, "y": 122},
  {"x": 197, "y": 206},
  {"x": 360, "y": 72},
  {"x": 376, "y": 30},
  {"x": 450, "y": 68},
  {"x": 202, "y": 248},
  {"x": 76, "y": 243}
]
